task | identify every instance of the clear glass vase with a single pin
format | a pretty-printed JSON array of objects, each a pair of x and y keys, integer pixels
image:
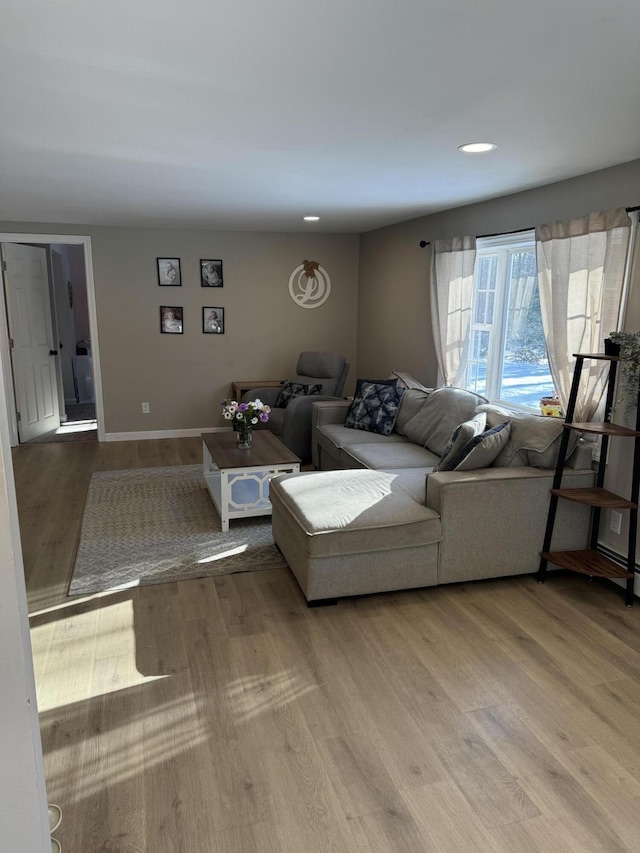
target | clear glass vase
[{"x": 243, "y": 435}]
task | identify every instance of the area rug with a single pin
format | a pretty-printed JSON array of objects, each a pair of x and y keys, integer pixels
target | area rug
[{"x": 156, "y": 525}]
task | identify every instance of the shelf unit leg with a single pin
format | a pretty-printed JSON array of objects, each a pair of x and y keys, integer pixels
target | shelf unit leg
[
  {"x": 551, "y": 517},
  {"x": 628, "y": 596}
]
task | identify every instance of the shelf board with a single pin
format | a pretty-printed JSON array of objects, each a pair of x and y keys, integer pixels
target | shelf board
[
  {"x": 594, "y": 497},
  {"x": 600, "y": 355},
  {"x": 587, "y": 562},
  {"x": 603, "y": 428}
]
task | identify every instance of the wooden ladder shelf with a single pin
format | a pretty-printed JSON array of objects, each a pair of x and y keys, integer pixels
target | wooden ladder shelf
[{"x": 592, "y": 561}]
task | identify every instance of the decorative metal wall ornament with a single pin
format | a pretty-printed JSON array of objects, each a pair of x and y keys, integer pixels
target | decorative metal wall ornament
[{"x": 309, "y": 285}]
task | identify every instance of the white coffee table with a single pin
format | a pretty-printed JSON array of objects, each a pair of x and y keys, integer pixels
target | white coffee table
[{"x": 238, "y": 480}]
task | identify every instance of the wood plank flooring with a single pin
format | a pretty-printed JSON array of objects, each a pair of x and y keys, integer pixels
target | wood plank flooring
[{"x": 224, "y": 716}]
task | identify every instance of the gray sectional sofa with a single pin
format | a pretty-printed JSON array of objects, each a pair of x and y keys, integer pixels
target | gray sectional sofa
[{"x": 475, "y": 524}]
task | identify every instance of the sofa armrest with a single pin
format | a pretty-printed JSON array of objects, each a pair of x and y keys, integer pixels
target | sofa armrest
[
  {"x": 267, "y": 395},
  {"x": 296, "y": 431},
  {"x": 582, "y": 456},
  {"x": 493, "y": 520},
  {"x": 333, "y": 412}
]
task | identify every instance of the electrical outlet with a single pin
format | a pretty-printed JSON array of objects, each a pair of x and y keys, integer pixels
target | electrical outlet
[
  {"x": 615, "y": 520},
  {"x": 145, "y": 409}
]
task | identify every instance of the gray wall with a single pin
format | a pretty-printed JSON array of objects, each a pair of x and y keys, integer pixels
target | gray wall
[
  {"x": 184, "y": 377},
  {"x": 394, "y": 318}
]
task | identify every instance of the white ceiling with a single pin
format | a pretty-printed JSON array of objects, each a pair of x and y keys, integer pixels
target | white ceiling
[{"x": 249, "y": 114}]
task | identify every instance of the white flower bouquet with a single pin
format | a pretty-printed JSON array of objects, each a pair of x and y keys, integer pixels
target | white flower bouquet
[{"x": 245, "y": 413}]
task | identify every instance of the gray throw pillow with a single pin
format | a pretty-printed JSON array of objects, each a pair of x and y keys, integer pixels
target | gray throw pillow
[
  {"x": 405, "y": 380},
  {"x": 412, "y": 401},
  {"x": 374, "y": 408},
  {"x": 481, "y": 451},
  {"x": 534, "y": 440},
  {"x": 462, "y": 435},
  {"x": 443, "y": 410}
]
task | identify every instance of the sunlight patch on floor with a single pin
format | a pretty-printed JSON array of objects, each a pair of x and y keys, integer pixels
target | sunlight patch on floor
[
  {"x": 76, "y": 426},
  {"x": 70, "y": 603},
  {"x": 81, "y": 655},
  {"x": 230, "y": 553},
  {"x": 75, "y": 693},
  {"x": 154, "y": 732},
  {"x": 257, "y": 694}
]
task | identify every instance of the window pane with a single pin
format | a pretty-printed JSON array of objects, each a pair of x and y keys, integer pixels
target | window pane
[
  {"x": 480, "y": 308},
  {"x": 477, "y": 365},
  {"x": 484, "y": 300},
  {"x": 525, "y": 376},
  {"x": 485, "y": 290},
  {"x": 487, "y": 266}
]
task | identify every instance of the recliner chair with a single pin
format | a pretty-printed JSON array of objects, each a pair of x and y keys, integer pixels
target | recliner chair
[{"x": 292, "y": 425}]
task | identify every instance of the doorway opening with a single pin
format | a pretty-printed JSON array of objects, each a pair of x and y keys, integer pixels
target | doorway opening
[{"x": 48, "y": 331}]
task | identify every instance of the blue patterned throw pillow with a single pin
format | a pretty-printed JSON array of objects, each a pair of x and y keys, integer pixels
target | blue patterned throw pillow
[
  {"x": 360, "y": 383},
  {"x": 295, "y": 389},
  {"x": 374, "y": 408}
]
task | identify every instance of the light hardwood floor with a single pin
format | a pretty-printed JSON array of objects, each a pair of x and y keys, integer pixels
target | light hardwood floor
[{"x": 224, "y": 716}]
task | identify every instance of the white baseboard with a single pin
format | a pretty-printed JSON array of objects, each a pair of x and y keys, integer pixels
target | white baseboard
[
  {"x": 161, "y": 433},
  {"x": 618, "y": 554}
]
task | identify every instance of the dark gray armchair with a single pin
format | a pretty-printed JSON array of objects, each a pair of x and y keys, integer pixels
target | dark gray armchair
[{"x": 293, "y": 424}]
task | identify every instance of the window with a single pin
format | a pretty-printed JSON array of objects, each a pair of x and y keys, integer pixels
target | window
[{"x": 507, "y": 353}]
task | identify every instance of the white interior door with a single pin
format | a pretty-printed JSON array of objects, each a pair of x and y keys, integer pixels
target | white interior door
[{"x": 33, "y": 353}]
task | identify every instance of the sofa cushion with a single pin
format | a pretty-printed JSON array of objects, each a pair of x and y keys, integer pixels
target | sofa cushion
[
  {"x": 405, "y": 380},
  {"x": 412, "y": 480},
  {"x": 340, "y": 435},
  {"x": 462, "y": 435},
  {"x": 345, "y": 512},
  {"x": 295, "y": 389},
  {"x": 398, "y": 454},
  {"x": 443, "y": 410},
  {"x": 534, "y": 439},
  {"x": 374, "y": 408},
  {"x": 412, "y": 401},
  {"x": 481, "y": 450}
]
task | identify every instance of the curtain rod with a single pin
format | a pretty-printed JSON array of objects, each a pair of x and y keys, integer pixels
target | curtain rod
[{"x": 424, "y": 243}]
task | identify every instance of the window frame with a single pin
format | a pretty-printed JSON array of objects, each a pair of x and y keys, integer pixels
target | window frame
[{"x": 503, "y": 246}]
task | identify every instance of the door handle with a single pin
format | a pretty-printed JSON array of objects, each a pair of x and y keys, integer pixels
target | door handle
[{"x": 53, "y": 352}]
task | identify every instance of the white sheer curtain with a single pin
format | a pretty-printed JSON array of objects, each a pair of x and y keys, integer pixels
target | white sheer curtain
[
  {"x": 581, "y": 264},
  {"x": 452, "y": 264}
]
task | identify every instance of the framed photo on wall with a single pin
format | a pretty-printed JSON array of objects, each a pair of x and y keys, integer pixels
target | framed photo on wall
[
  {"x": 213, "y": 321},
  {"x": 169, "y": 272},
  {"x": 171, "y": 319},
  {"x": 211, "y": 273}
]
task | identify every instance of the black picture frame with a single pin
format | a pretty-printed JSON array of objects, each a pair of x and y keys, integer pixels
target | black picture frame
[
  {"x": 169, "y": 273},
  {"x": 211, "y": 273},
  {"x": 213, "y": 321},
  {"x": 171, "y": 320}
]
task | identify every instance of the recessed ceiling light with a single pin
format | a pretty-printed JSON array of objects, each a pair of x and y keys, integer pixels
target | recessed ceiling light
[
  {"x": 477, "y": 147},
  {"x": 311, "y": 218}
]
